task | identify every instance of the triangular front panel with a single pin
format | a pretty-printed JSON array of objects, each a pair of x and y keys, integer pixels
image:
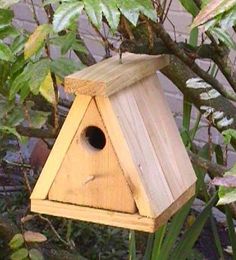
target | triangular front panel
[{"x": 90, "y": 174}]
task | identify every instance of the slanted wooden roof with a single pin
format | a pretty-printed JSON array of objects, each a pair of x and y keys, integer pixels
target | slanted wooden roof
[{"x": 109, "y": 76}]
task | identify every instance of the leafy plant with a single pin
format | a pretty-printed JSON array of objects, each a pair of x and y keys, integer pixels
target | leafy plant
[
  {"x": 20, "y": 252},
  {"x": 30, "y": 79}
]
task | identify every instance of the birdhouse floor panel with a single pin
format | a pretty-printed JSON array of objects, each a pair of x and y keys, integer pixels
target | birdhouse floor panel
[
  {"x": 111, "y": 218},
  {"x": 90, "y": 174}
]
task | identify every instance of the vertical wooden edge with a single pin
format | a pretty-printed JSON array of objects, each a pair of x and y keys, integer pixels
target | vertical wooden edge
[
  {"x": 60, "y": 147},
  {"x": 120, "y": 146}
]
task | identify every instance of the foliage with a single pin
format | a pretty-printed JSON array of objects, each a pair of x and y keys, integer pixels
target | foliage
[
  {"x": 68, "y": 11},
  {"x": 227, "y": 190},
  {"x": 20, "y": 252},
  {"x": 217, "y": 17},
  {"x": 30, "y": 80}
]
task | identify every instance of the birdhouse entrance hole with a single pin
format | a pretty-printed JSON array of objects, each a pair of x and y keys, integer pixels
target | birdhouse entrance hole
[{"x": 94, "y": 137}]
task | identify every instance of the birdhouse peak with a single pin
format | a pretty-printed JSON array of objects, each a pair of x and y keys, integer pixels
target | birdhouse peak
[{"x": 109, "y": 76}]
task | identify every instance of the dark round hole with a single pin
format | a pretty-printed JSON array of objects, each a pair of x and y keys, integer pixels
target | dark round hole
[{"x": 95, "y": 137}]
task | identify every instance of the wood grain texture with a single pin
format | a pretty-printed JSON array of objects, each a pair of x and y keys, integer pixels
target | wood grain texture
[
  {"x": 109, "y": 76},
  {"x": 123, "y": 220},
  {"x": 60, "y": 147},
  {"x": 92, "y": 177},
  {"x": 133, "y": 176},
  {"x": 141, "y": 148},
  {"x": 164, "y": 135}
]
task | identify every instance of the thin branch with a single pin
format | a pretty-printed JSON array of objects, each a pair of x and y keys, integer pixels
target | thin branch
[
  {"x": 190, "y": 62},
  {"x": 167, "y": 11},
  {"x": 214, "y": 169},
  {"x": 85, "y": 57},
  {"x": 221, "y": 57},
  {"x": 34, "y": 13},
  {"x": 38, "y": 133},
  {"x": 68, "y": 244}
]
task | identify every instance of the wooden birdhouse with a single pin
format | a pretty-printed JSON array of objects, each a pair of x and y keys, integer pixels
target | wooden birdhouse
[{"x": 119, "y": 159}]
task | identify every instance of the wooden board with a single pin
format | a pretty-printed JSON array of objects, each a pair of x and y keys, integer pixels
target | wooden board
[
  {"x": 60, "y": 147},
  {"x": 123, "y": 220},
  {"x": 92, "y": 177},
  {"x": 131, "y": 172},
  {"x": 164, "y": 135},
  {"x": 141, "y": 148},
  {"x": 109, "y": 76}
]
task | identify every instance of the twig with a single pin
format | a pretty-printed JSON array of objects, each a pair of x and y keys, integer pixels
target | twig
[
  {"x": 214, "y": 169},
  {"x": 68, "y": 244},
  {"x": 34, "y": 13},
  {"x": 38, "y": 133},
  {"x": 190, "y": 62},
  {"x": 167, "y": 11},
  {"x": 27, "y": 183}
]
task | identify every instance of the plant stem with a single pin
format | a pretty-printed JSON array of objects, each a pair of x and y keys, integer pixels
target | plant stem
[{"x": 231, "y": 231}]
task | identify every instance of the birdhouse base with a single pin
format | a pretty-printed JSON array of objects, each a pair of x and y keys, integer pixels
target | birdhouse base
[{"x": 107, "y": 217}]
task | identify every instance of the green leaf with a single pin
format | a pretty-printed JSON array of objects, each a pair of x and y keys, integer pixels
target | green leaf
[
  {"x": 212, "y": 9},
  {"x": 159, "y": 236},
  {"x": 18, "y": 44},
  {"x": 130, "y": 10},
  {"x": 132, "y": 245},
  {"x": 146, "y": 7},
  {"x": 8, "y": 3},
  {"x": 19, "y": 82},
  {"x": 35, "y": 254},
  {"x": 20, "y": 254},
  {"x": 6, "y": 53},
  {"x": 65, "y": 14},
  {"x": 10, "y": 131},
  {"x": 64, "y": 66},
  {"x": 17, "y": 241},
  {"x": 38, "y": 118},
  {"x": 38, "y": 72},
  {"x": 111, "y": 12},
  {"x": 78, "y": 46},
  {"x": 15, "y": 117},
  {"x": 229, "y": 19},
  {"x": 174, "y": 230},
  {"x": 8, "y": 31},
  {"x": 94, "y": 11},
  {"x": 47, "y": 89},
  {"x": 185, "y": 245},
  {"x": 68, "y": 41},
  {"x": 224, "y": 37},
  {"x": 36, "y": 40},
  {"x": 6, "y": 16},
  {"x": 226, "y": 195},
  {"x": 228, "y": 135},
  {"x": 30, "y": 79},
  {"x": 190, "y": 6}
]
